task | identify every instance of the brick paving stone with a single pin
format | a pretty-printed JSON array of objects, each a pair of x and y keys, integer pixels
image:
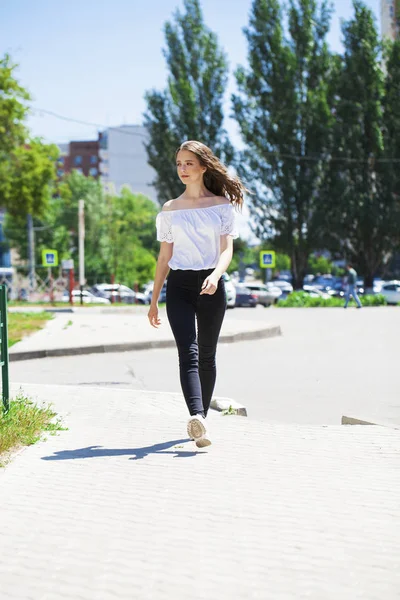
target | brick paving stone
[{"x": 123, "y": 506}]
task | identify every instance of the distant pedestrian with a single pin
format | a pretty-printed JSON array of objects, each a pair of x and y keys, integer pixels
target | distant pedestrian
[
  {"x": 196, "y": 231},
  {"x": 351, "y": 288}
]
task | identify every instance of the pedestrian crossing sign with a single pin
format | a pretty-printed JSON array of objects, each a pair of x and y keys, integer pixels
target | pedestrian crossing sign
[
  {"x": 49, "y": 258},
  {"x": 267, "y": 259}
]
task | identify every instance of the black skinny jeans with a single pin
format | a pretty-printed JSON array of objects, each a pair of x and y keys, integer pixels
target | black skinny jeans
[{"x": 196, "y": 353}]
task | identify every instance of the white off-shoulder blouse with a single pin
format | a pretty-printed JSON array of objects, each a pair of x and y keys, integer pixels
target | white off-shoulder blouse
[{"x": 195, "y": 233}]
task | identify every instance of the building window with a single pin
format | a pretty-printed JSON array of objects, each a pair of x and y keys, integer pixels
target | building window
[
  {"x": 60, "y": 172},
  {"x": 93, "y": 160},
  {"x": 61, "y": 160},
  {"x": 93, "y": 171},
  {"x": 79, "y": 171},
  {"x": 103, "y": 140},
  {"x": 78, "y": 160}
]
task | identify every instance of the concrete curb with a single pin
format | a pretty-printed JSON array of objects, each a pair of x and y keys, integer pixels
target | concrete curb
[
  {"x": 357, "y": 421},
  {"x": 218, "y": 403},
  {"x": 266, "y": 332},
  {"x": 221, "y": 404}
]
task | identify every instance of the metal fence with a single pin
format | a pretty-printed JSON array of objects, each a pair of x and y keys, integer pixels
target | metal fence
[
  {"x": 4, "y": 348},
  {"x": 46, "y": 286}
]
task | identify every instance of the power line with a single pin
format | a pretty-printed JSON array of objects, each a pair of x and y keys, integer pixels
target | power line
[
  {"x": 269, "y": 153},
  {"x": 332, "y": 158},
  {"x": 87, "y": 123}
]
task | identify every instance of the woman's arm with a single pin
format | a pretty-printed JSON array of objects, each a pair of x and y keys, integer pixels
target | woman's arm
[
  {"x": 210, "y": 284},
  {"x": 162, "y": 270}
]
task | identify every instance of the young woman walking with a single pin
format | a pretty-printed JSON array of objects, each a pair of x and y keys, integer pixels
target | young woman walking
[{"x": 196, "y": 232}]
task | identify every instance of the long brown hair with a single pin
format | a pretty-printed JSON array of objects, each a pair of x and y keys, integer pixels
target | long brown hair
[{"x": 216, "y": 178}]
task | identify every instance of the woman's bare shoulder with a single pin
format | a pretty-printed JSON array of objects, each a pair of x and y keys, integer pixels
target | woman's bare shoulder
[
  {"x": 169, "y": 205},
  {"x": 221, "y": 200}
]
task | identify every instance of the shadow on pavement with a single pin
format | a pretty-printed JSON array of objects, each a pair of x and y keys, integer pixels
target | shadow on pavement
[{"x": 99, "y": 451}]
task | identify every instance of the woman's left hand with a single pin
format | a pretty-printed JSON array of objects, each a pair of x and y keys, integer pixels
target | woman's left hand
[{"x": 210, "y": 285}]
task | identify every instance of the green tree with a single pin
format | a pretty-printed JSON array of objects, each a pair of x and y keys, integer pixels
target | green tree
[
  {"x": 131, "y": 248},
  {"x": 364, "y": 213},
  {"x": 77, "y": 187},
  {"x": 119, "y": 231},
  {"x": 244, "y": 255},
  {"x": 27, "y": 166},
  {"x": 319, "y": 264},
  {"x": 57, "y": 227},
  {"x": 13, "y": 112},
  {"x": 191, "y": 105},
  {"x": 389, "y": 169},
  {"x": 282, "y": 262},
  {"x": 283, "y": 111}
]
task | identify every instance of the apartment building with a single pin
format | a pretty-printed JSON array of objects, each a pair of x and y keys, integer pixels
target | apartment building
[
  {"x": 390, "y": 18},
  {"x": 123, "y": 160},
  {"x": 81, "y": 156}
]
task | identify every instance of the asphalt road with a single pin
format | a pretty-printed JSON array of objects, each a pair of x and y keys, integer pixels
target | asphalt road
[{"x": 329, "y": 362}]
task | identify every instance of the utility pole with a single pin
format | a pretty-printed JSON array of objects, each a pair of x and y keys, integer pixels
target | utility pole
[
  {"x": 31, "y": 253},
  {"x": 81, "y": 217}
]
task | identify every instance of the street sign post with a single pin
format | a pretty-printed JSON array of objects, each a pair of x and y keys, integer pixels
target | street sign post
[
  {"x": 267, "y": 259},
  {"x": 267, "y": 262},
  {"x": 81, "y": 237},
  {"x": 50, "y": 258},
  {"x": 68, "y": 265}
]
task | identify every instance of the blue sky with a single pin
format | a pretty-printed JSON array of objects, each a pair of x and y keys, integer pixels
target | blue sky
[{"x": 92, "y": 60}]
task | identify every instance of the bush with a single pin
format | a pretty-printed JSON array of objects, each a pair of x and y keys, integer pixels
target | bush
[
  {"x": 304, "y": 300},
  {"x": 373, "y": 300}
]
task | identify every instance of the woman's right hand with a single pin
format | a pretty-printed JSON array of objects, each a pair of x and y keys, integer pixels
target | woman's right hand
[{"x": 154, "y": 319}]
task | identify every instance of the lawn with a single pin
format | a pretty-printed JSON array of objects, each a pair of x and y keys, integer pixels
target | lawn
[{"x": 22, "y": 324}]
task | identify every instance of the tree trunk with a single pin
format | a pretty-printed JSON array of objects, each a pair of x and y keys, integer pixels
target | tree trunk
[{"x": 299, "y": 267}]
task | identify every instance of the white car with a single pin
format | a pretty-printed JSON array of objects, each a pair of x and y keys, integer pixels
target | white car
[
  {"x": 314, "y": 292},
  {"x": 118, "y": 293},
  {"x": 284, "y": 285},
  {"x": 391, "y": 291},
  {"x": 267, "y": 294},
  {"x": 230, "y": 291},
  {"x": 87, "y": 297}
]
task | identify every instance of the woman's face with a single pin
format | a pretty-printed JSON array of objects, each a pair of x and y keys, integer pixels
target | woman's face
[{"x": 189, "y": 168}]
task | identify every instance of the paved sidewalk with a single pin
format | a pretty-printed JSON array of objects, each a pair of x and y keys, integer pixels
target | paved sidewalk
[
  {"x": 89, "y": 331},
  {"x": 123, "y": 506}
]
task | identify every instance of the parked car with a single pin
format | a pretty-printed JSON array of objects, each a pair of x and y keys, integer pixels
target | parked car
[
  {"x": 285, "y": 287},
  {"x": 314, "y": 292},
  {"x": 245, "y": 297},
  {"x": 377, "y": 285},
  {"x": 230, "y": 291},
  {"x": 117, "y": 292},
  {"x": 274, "y": 291},
  {"x": 266, "y": 294},
  {"x": 148, "y": 293},
  {"x": 87, "y": 297},
  {"x": 391, "y": 291},
  {"x": 229, "y": 288}
]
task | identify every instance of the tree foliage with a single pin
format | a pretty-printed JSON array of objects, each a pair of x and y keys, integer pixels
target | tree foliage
[
  {"x": 13, "y": 109},
  {"x": 131, "y": 244},
  {"x": 27, "y": 167},
  {"x": 119, "y": 231},
  {"x": 283, "y": 111},
  {"x": 364, "y": 210},
  {"x": 191, "y": 107}
]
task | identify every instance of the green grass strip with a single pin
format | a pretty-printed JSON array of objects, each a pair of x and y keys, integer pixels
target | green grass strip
[
  {"x": 25, "y": 423},
  {"x": 25, "y": 323}
]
